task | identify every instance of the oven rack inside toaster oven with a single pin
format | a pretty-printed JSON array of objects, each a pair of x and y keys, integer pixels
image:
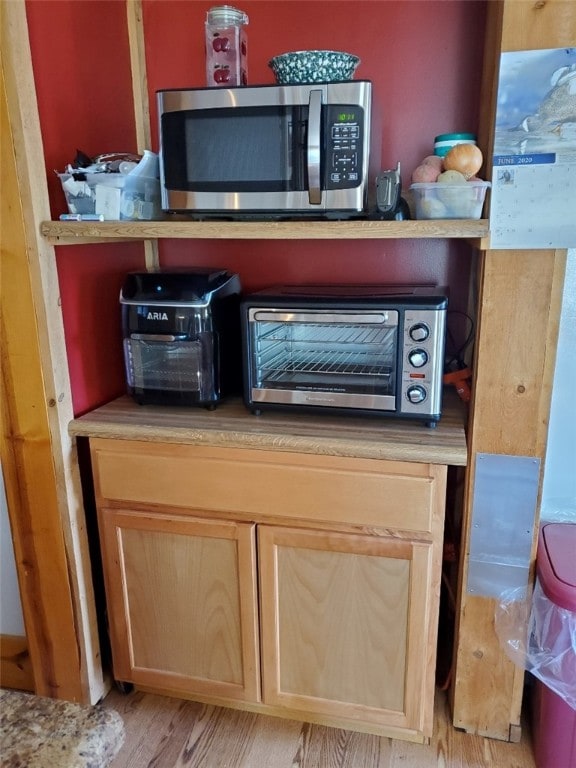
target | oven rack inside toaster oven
[
  {"x": 316, "y": 333},
  {"x": 344, "y": 365},
  {"x": 322, "y": 349}
]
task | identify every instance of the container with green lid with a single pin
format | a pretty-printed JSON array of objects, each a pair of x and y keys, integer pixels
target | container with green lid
[{"x": 445, "y": 141}]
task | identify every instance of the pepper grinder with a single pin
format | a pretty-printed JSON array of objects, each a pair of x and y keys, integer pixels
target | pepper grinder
[{"x": 226, "y": 47}]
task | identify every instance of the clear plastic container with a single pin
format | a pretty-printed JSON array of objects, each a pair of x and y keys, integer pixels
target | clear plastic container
[
  {"x": 226, "y": 47},
  {"x": 435, "y": 200},
  {"x": 92, "y": 193},
  {"x": 141, "y": 193}
]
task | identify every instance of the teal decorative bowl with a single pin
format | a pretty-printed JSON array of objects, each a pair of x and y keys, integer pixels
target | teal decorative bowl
[{"x": 313, "y": 66}]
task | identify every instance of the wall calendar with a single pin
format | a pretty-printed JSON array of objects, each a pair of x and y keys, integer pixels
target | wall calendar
[{"x": 533, "y": 198}]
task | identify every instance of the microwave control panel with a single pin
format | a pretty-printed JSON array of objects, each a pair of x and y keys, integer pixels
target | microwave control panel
[{"x": 344, "y": 146}]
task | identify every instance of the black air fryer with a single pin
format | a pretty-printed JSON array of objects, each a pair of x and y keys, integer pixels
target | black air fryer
[{"x": 182, "y": 342}]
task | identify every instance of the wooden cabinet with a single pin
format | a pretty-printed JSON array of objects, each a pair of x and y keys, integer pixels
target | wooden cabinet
[
  {"x": 488, "y": 689},
  {"x": 319, "y": 574}
]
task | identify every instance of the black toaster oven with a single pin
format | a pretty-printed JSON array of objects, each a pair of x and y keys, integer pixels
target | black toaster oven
[
  {"x": 375, "y": 349},
  {"x": 181, "y": 336}
]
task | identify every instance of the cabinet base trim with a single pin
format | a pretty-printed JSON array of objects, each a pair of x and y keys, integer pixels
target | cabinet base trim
[{"x": 384, "y": 731}]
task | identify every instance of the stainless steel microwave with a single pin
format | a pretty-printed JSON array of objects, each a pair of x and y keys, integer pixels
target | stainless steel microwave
[
  {"x": 375, "y": 349},
  {"x": 269, "y": 151}
]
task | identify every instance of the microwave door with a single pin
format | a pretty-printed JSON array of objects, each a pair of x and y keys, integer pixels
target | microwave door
[{"x": 250, "y": 158}]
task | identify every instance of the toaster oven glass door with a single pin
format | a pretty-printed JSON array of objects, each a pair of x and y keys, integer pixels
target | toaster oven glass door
[{"x": 344, "y": 359}]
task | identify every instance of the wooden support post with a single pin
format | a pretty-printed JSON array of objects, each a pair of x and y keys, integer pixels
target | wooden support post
[
  {"x": 42, "y": 480},
  {"x": 135, "y": 23},
  {"x": 515, "y": 354},
  {"x": 520, "y": 294}
]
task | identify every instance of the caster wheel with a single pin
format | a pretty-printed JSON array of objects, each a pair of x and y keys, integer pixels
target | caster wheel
[{"x": 123, "y": 687}]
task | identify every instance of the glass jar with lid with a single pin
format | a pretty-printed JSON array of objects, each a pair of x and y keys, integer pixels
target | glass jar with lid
[{"x": 226, "y": 47}]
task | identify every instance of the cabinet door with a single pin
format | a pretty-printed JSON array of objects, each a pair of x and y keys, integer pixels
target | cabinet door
[
  {"x": 349, "y": 626},
  {"x": 182, "y": 603}
]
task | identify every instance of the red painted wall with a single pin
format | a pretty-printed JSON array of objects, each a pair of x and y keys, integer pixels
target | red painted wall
[
  {"x": 81, "y": 67},
  {"x": 423, "y": 56}
]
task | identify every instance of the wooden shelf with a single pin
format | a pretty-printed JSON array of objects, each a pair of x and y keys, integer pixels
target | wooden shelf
[{"x": 75, "y": 232}]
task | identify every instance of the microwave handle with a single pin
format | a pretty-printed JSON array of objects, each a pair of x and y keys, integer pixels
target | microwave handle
[{"x": 313, "y": 149}]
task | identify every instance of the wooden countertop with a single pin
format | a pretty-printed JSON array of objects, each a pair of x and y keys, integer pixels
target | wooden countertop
[{"x": 232, "y": 425}]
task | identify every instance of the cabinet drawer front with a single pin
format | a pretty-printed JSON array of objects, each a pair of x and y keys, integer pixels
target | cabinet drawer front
[{"x": 334, "y": 489}]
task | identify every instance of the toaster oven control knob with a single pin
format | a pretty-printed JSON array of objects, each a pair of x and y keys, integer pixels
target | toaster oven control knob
[
  {"x": 416, "y": 394},
  {"x": 419, "y": 332},
  {"x": 417, "y": 358}
]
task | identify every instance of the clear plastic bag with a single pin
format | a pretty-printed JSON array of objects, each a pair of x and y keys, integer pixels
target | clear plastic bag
[{"x": 540, "y": 636}]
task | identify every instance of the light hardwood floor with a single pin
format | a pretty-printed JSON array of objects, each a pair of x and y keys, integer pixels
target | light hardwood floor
[{"x": 171, "y": 733}]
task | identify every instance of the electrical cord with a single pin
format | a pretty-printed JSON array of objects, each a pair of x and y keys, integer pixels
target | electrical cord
[
  {"x": 456, "y": 360},
  {"x": 456, "y": 372}
]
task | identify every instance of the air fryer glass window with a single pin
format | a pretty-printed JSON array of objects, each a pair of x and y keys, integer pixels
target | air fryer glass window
[
  {"x": 173, "y": 367},
  {"x": 322, "y": 357}
]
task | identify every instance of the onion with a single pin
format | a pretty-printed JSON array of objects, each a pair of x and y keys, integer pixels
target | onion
[{"x": 465, "y": 158}]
